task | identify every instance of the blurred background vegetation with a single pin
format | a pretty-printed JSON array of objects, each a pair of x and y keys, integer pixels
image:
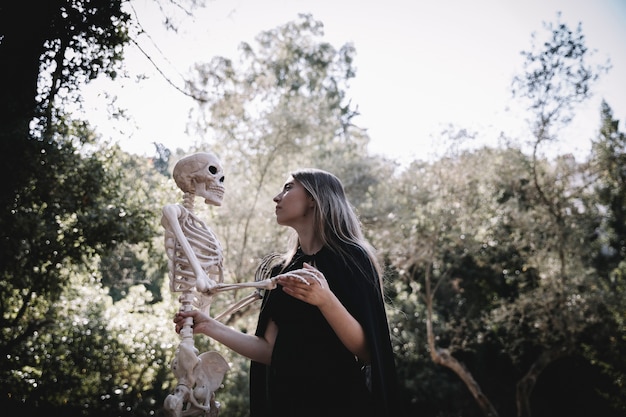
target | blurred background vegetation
[{"x": 505, "y": 279}]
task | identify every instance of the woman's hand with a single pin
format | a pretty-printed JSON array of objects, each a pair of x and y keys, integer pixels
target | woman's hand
[
  {"x": 257, "y": 348},
  {"x": 201, "y": 322},
  {"x": 307, "y": 284}
]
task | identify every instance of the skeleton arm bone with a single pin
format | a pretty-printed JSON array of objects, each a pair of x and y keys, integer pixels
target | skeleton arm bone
[
  {"x": 266, "y": 284},
  {"x": 239, "y": 305}
]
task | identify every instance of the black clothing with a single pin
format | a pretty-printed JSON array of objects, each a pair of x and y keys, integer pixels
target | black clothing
[{"x": 312, "y": 373}]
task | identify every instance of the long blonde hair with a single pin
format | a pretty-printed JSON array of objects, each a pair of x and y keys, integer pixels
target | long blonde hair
[{"x": 336, "y": 222}]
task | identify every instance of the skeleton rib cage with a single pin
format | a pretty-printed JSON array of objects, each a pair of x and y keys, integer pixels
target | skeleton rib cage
[{"x": 206, "y": 250}]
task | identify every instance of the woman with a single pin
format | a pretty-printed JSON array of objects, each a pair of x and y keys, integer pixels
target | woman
[{"x": 322, "y": 345}]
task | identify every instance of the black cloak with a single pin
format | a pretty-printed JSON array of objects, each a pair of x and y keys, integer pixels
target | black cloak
[{"x": 305, "y": 347}]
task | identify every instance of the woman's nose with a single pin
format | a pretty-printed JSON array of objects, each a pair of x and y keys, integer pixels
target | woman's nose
[{"x": 276, "y": 198}]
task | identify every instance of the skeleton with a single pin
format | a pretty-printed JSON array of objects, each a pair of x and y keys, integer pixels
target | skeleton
[{"x": 195, "y": 269}]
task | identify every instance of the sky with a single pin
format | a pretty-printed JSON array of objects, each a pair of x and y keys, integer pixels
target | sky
[{"x": 421, "y": 66}]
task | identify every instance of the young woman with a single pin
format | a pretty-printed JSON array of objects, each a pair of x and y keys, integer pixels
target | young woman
[{"x": 322, "y": 345}]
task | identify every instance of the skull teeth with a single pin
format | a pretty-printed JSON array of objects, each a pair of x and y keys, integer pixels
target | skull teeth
[{"x": 219, "y": 190}]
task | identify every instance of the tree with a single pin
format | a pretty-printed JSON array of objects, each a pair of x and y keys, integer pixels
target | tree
[
  {"x": 452, "y": 257},
  {"x": 609, "y": 153},
  {"x": 69, "y": 204},
  {"x": 475, "y": 291},
  {"x": 62, "y": 203},
  {"x": 608, "y": 258},
  {"x": 60, "y": 228},
  {"x": 51, "y": 47},
  {"x": 557, "y": 78},
  {"x": 47, "y": 185},
  {"x": 282, "y": 106}
]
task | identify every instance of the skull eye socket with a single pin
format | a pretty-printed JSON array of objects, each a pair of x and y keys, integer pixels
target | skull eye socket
[{"x": 212, "y": 169}]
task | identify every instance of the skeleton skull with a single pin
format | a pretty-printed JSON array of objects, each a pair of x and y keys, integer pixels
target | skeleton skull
[{"x": 201, "y": 174}]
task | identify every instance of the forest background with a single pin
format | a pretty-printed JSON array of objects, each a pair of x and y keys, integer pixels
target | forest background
[{"x": 504, "y": 266}]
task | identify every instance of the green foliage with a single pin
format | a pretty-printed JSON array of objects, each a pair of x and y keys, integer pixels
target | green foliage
[
  {"x": 606, "y": 348},
  {"x": 609, "y": 159},
  {"x": 62, "y": 355}
]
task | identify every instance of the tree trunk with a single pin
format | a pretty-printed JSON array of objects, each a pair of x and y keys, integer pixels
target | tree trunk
[
  {"x": 24, "y": 29},
  {"x": 526, "y": 385},
  {"x": 444, "y": 358}
]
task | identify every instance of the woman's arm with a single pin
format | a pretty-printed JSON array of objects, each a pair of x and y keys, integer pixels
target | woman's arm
[
  {"x": 347, "y": 328},
  {"x": 258, "y": 349}
]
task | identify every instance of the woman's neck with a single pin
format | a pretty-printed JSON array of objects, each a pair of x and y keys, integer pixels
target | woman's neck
[{"x": 311, "y": 245}]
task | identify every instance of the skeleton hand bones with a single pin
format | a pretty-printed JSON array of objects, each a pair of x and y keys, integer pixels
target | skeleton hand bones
[
  {"x": 299, "y": 275},
  {"x": 306, "y": 284}
]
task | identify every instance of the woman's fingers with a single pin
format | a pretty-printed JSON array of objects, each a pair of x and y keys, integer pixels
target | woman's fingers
[
  {"x": 306, "y": 284},
  {"x": 317, "y": 275},
  {"x": 307, "y": 275},
  {"x": 181, "y": 316}
]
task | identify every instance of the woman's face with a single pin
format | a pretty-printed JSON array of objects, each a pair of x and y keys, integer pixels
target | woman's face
[{"x": 294, "y": 205}]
